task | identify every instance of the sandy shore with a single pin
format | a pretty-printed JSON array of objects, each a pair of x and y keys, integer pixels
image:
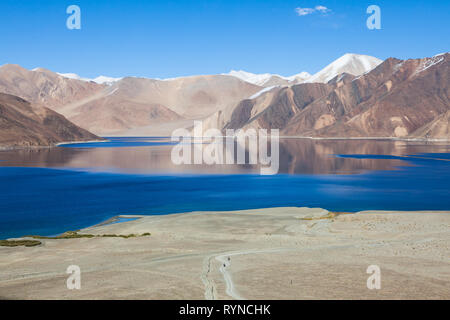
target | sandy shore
[
  {"x": 279, "y": 253},
  {"x": 59, "y": 144}
]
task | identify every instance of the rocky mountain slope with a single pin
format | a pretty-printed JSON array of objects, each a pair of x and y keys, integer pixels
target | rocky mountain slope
[
  {"x": 397, "y": 99},
  {"x": 143, "y": 103},
  {"x": 23, "y": 124},
  {"x": 400, "y": 99}
]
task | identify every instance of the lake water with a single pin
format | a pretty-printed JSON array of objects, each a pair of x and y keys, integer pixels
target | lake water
[{"x": 49, "y": 191}]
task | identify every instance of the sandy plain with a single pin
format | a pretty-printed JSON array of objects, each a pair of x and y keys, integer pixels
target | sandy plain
[{"x": 275, "y": 253}]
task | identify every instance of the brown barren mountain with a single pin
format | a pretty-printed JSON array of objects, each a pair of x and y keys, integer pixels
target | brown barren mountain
[
  {"x": 130, "y": 106},
  {"x": 140, "y": 105},
  {"x": 23, "y": 124},
  {"x": 269, "y": 110},
  {"x": 397, "y": 99},
  {"x": 44, "y": 87}
]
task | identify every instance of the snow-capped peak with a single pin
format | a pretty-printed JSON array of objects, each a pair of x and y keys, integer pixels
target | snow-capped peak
[
  {"x": 300, "y": 76},
  {"x": 355, "y": 64},
  {"x": 263, "y": 78},
  {"x": 258, "y": 79}
]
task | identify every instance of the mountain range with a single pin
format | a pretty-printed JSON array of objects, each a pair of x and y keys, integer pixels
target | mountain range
[
  {"x": 354, "y": 96},
  {"x": 396, "y": 99}
]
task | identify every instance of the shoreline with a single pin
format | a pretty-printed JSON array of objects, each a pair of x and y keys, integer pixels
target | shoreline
[
  {"x": 115, "y": 219},
  {"x": 58, "y": 144},
  {"x": 371, "y": 138},
  {"x": 351, "y": 138},
  {"x": 77, "y": 142},
  {"x": 134, "y": 217}
]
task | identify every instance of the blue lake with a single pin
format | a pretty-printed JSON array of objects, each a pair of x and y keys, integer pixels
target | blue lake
[{"x": 49, "y": 191}]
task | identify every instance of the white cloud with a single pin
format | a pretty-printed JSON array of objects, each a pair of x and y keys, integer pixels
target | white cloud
[
  {"x": 322, "y": 9},
  {"x": 306, "y": 11}
]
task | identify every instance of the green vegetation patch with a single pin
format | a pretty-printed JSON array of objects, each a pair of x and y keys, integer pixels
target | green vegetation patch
[
  {"x": 76, "y": 235},
  {"x": 66, "y": 235},
  {"x": 17, "y": 243}
]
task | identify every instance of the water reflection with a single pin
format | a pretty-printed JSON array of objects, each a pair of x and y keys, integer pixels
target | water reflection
[{"x": 152, "y": 156}]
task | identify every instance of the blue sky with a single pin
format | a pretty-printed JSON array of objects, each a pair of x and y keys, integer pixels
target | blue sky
[{"x": 184, "y": 37}]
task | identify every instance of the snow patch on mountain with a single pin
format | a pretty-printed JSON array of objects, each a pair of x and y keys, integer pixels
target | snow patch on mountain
[
  {"x": 69, "y": 75},
  {"x": 262, "y": 78},
  {"x": 105, "y": 80},
  {"x": 429, "y": 63},
  {"x": 302, "y": 75},
  {"x": 99, "y": 79},
  {"x": 256, "y": 95},
  {"x": 258, "y": 79}
]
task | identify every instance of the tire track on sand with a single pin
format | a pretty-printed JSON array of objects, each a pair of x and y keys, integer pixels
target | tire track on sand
[{"x": 225, "y": 261}]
